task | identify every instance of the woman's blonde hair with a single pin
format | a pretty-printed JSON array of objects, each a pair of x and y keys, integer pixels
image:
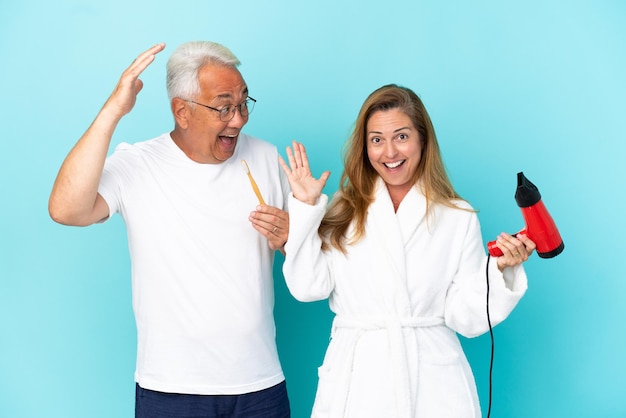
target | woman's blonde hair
[{"x": 358, "y": 180}]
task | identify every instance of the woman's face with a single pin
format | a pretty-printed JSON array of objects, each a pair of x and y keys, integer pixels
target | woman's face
[{"x": 394, "y": 148}]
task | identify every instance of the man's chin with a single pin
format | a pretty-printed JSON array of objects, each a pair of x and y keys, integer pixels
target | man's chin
[{"x": 225, "y": 155}]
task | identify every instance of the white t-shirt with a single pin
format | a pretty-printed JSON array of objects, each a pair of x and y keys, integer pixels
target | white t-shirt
[{"x": 202, "y": 280}]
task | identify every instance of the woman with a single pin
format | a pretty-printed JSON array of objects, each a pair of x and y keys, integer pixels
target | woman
[{"x": 400, "y": 256}]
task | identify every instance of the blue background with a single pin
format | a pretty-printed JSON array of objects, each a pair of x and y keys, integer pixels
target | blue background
[{"x": 537, "y": 86}]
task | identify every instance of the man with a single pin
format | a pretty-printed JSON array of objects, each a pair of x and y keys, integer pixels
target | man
[{"x": 201, "y": 262}]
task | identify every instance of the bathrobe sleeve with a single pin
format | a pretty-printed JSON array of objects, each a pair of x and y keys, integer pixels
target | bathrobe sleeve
[
  {"x": 306, "y": 267},
  {"x": 466, "y": 299}
]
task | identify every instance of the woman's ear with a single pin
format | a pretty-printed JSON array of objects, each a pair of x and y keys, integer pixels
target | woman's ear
[{"x": 180, "y": 110}]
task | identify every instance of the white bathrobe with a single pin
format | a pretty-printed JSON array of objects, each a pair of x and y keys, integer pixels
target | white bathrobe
[{"x": 400, "y": 295}]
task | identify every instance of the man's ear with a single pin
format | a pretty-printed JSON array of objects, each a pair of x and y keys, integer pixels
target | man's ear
[{"x": 180, "y": 110}]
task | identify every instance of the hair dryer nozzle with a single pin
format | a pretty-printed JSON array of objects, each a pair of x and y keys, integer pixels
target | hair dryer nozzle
[{"x": 526, "y": 193}]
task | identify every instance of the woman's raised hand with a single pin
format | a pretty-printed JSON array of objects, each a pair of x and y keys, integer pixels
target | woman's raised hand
[{"x": 304, "y": 186}]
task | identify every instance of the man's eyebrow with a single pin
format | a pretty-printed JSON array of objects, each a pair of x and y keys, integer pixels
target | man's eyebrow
[{"x": 230, "y": 96}]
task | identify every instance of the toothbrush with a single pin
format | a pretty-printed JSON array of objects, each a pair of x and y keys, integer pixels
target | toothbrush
[{"x": 252, "y": 182}]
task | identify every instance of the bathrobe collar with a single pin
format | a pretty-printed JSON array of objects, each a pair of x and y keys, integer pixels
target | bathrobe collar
[{"x": 392, "y": 232}]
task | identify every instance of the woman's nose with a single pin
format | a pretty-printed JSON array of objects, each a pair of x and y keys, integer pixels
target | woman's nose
[{"x": 390, "y": 149}]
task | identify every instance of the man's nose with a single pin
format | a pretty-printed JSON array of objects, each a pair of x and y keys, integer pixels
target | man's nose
[{"x": 238, "y": 120}]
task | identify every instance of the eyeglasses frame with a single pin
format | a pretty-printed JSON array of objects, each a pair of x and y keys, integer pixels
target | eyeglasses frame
[{"x": 220, "y": 111}]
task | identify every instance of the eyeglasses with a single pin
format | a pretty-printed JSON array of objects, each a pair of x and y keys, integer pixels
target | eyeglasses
[{"x": 228, "y": 112}]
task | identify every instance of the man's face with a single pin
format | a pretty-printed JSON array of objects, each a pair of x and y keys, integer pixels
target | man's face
[{"x": 215, "y": 139}]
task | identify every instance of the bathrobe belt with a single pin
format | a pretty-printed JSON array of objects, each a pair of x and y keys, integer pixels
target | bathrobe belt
[{"x": 406, "y": 398}]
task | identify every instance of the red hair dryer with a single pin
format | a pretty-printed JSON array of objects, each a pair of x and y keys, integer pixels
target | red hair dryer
[{"x": 539, "y": 224}]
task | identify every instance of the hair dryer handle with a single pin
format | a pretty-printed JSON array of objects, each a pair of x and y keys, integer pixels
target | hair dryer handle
[{"x": 494, "y": 250}]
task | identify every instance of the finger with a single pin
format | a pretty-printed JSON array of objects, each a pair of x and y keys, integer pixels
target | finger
[
  {"x": 148, "y": 56},
  {"x": 297, "y": 153},
  {"x": 305, "y": 159},
  {"x": 277, "y": 221},
  {"x": 261, "y": 230},
  {"x": 506, "y": 244},
  {"x": 138, "y": 86},
  {"x": 324, "y": 178},
  {"x": 291, "y": 158},
  {"x": 519, "y": 252},
  {"x": 270, "y": 227},
  {"x": 269, "y": 217},
  {"x": 261, "y": 224},
  {"x": 279, "y": 227},
  {"x": 143, "y": 60},
  {"x": 277, "y": 213},
  {"x": 279, "y": 232},
  {"x": 285, "y": 229},
  {"x": 528, "y": 243},
  {"x": 286, "y": 168}
]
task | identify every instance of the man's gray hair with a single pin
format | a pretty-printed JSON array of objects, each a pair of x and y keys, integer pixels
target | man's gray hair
[{"x": 186, "y": 61}]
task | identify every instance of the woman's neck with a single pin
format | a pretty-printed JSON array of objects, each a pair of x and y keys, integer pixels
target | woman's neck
[{"x": 397, "y": 194}]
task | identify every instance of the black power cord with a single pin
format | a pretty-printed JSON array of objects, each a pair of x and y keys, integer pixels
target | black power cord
[{"x": 492, "y": 339}]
